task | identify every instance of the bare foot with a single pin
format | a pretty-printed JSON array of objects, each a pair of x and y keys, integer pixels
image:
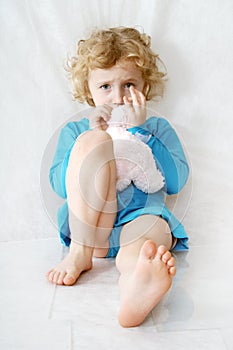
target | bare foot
[
  {"x": 143, "y": 289},
  {"x": 78, "y": 260}
]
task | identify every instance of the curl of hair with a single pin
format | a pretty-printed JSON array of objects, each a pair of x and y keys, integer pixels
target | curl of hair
[{"x": 104, "y": 48}]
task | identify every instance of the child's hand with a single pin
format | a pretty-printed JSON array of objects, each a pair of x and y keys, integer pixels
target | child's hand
[
  {"x": 135, "y": 107},
  {"x": 99, "y": 117}
]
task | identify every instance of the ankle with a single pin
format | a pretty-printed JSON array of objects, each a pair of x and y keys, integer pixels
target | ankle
[{"x": 79, "y": 249}]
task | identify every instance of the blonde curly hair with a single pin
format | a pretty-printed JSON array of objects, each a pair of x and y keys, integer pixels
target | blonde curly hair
[{"x": 104, "y": 48}]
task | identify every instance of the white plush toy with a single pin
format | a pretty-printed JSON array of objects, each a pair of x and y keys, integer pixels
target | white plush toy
[{"x": 134, "y": 159}]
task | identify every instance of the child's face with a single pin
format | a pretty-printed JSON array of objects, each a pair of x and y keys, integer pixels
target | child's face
[{"x": 110, "y": 85}]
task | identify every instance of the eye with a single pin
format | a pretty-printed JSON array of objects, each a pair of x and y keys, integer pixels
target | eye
[
  {"x": 127, "y": 85},
  {"x": 105, "y": 87}
]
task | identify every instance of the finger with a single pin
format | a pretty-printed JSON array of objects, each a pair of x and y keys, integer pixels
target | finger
[
  {"x": 100, "y": 124},
  {"x": 108, "y": 108},
  {"x": 127, "y": 100},
  {"x": 141, "y": 98},
  {"x": 105, "y": 117},
  {"x": 96, "y": 123},
  {"x": 134, "y": 95},
  {"x": 107, "y": 112}
]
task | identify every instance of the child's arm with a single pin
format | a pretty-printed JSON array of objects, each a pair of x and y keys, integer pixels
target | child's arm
[
  {"x": 169, "y": 155},
  {"x": 67, "y": 138}
]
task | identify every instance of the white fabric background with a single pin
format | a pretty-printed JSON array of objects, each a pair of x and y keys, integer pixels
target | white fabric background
[{"x": 195, "y": 40}]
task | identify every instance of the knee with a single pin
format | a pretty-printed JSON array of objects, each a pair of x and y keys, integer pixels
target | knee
[
  {"x": 163, "y": 225},
  {"x": 93, "y": 138},
  {"x": 90, "y": 148}
]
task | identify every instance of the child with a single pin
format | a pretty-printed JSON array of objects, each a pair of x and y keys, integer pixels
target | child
[{"x": 115, "y": 67}]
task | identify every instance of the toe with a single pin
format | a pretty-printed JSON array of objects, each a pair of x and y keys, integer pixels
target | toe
[
  {"x": 51, "y": 275},
  {"x": 161, "y": 251},
  {"x": 61, "y": 278},
  {"x": 171, "y": 262},
  {"x": 48, "y": 273},
  {"x": 166, "y": 256},
  {"x": 172, "y": 270},
  {"x": 56, "y": 277},
  {"x": 148, "y": 250},
  {"x": 69, "y": 279}
]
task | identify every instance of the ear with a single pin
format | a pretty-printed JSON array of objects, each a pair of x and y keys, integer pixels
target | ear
[
  {"x": 90, "y": 101},
  {"x": 88, "y": 96},
  {"x": 146, "y": 89}
]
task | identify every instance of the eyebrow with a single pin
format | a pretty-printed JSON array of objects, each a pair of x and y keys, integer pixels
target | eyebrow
[
  {"x": 99, "y": 83},
  {"x": 130, "y": 79}
]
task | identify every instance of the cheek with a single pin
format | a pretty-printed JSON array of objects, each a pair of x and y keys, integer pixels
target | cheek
[
  {"x": 127, "y": 93},
  {"x": 99, "y": 99}
]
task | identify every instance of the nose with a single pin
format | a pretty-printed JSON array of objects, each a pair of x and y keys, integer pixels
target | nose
[{"x": 117, "y": 96}]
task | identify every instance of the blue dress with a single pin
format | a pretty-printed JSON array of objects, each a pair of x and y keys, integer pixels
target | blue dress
[{"x": 170, "y": 159}]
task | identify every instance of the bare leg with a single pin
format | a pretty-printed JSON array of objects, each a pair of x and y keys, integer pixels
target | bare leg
[
  {"x": 91, "y": 188},
  {"x": 146, "y": 271}
]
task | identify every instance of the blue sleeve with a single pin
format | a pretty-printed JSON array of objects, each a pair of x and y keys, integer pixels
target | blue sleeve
[
  {"x": 169, "y": 154},
  {"x": 67, "y": 138}
]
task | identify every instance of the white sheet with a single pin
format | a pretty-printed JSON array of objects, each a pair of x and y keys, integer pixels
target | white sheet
[{"x": 194, "y": 38}]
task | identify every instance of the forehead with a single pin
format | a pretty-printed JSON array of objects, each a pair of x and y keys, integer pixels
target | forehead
[{"x": 123, "y": 70}]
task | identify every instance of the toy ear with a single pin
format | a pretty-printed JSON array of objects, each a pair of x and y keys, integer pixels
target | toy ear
[{"x": 118, "y": 115}]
